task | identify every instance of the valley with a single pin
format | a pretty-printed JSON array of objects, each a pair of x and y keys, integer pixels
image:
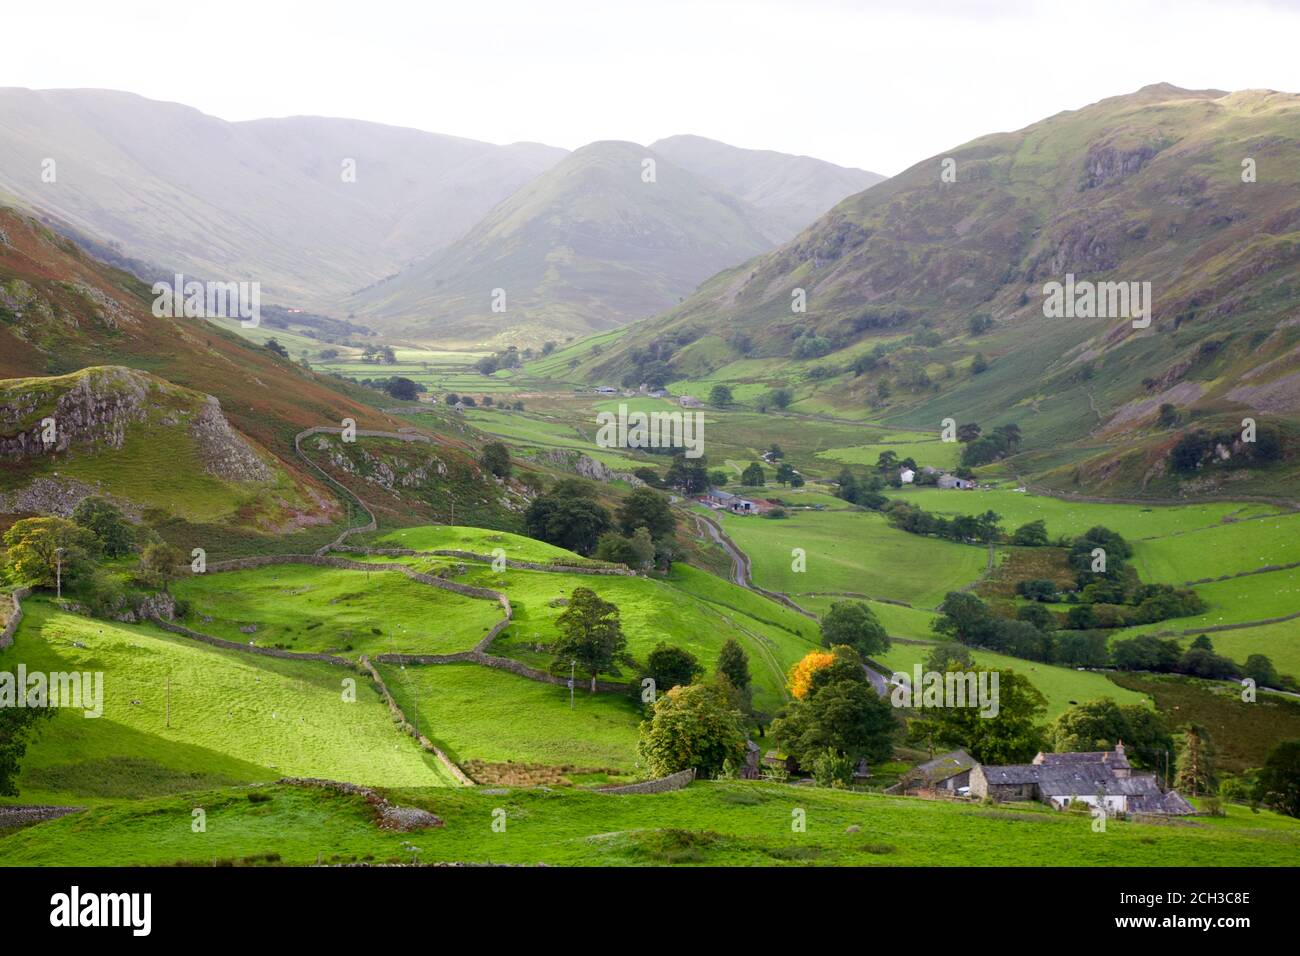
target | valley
[{"x": 371, "y": 559}]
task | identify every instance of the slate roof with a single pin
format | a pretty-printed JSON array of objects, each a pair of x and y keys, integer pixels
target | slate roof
[
  {"x": 945, "y": 765},
  {"x": 1072, "y": 779},
  {"x": 1110, "y": 758}
]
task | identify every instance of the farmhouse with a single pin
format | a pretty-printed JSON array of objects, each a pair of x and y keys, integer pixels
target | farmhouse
[
  {"x": 605, "y": 390},
  {"x": 1102, "y": 778},
  {"x": 907, "y": 476}
]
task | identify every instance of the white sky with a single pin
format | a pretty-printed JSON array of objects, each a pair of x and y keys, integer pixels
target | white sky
[{"x": 874, "y": 84}]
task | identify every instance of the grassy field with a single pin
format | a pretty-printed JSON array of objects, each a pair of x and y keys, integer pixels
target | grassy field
[
  {"x": 349, "y": 613},
  {"x": 1253, "y": 597},
  {"x": 181, "y": 716},
  {"x": 463, "y": 538},
  {"x": 923, "y": 448},
  {"x": 1221, "y": 549},
  {"x": 708, "y": 823},
  {"x": 478, "y": 713},
  {"x": 1063, "y": 517},
  {"x": 651, "y": 611},
  {"x": 1062, "y": 686},
  {"x": 856, "y": 552}
]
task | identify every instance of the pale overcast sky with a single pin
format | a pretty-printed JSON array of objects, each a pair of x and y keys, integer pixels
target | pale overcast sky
[{"x": 873, "y": 84}]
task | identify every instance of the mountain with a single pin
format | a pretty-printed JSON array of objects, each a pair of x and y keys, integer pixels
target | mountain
[
  {"x": 190, "y": 428},
  {"x": 162, "y": 187},
  {"x": 1152, "y": 187},
  {"x": 792, "y": 190},
  {"x": 587, "y": 245}
]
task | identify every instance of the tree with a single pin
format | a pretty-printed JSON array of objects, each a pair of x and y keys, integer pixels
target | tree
[
  {"x": 688, "y": 475},
  {"x": 646, "y": 508},
  {"x": 1031, "y": 535},
  {"x": 1195, "y": 772},
  {"x": 948, "y": 655},
  {"x": 969, "y": 432},
  {"x": 844, "y": 714},
  {"x": 802, "y": 672},
  {"x": 979, "y": 364},
  {"x": 567, "y": 517},
  {"x": 785, "y": 473},
  {"x": 1260, "y": 669},
  {"x": 402, "y": 389},
  {"x": 671, "y": 667},
  {"x": 1168, "y": 417},
  {"x": 854, "y": 623},
  {"x": 273, "y": 345},
  {"x": 752, "y": 476},
  {"x": 780, "y": 397},
  {"x": 979, "y": 324},
  {"x": 692, "y": 727},
  {"x": 496, "y": 459},
  {"x": 1015, "y": 735},
  {"x": 733, "y": 664},
  {"x": 16, "y": 723},
  {"x": 160, "y": 563},
  {"x": 1101, "y": 724},
  {"x": 720, "y": 396},
  {"x": 636, "y": 551},
  {"x": 39, "y": 549},
  {"x": 104, "y": 520},
  {"x": 590, "y": 633},
  {"x": 1278, "y": 783}
]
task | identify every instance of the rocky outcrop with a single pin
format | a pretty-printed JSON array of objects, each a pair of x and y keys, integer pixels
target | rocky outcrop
[
  {"x": 586, "y": 467},
  {"x": 98, "y": 407},
  {"x": 388, "y": 816},
  {"x": 225, "y": 454}
]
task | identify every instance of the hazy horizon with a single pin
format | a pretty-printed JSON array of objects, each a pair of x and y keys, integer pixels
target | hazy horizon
[{"x": 754, "y": 74}]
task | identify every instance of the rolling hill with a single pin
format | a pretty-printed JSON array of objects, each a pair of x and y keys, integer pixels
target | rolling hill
[
  {"x": 587, "y": 245},
  {"x": 183, "y": 423},
  {"x": 1194, "y": 192},
  {"x": 163, "y": 187}
]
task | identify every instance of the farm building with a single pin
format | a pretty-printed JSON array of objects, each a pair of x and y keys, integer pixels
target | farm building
[
  {"x": 907, "y": 476},
  {"x": 952, "y": 481},
  {"x": 725, "y": 500},
  {"x": 950, "y": 771},
  {"x": 690, "y": 401},
  {"x": 1098, "y": 779}
]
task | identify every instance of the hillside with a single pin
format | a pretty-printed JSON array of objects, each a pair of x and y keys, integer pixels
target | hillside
[
  {"x": 169, "y": 188},
  {"x": 193, "y": 421},
  {"x": 792, "y": 190},
  {"x": 1141, "y": 188},
  {"x": 587, "y": 245}
]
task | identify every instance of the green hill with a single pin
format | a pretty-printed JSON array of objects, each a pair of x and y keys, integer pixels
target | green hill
[
  {"x": 585, "y": 246},
  {"x": 1141, "y": 188}
]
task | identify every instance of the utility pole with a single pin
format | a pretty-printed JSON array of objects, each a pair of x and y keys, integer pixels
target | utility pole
[
  {"x": 168, "y": 705},
  {"x": 572, "y": 665},
  {"x": 58, "y": 572}
]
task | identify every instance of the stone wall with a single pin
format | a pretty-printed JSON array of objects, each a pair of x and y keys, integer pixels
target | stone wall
[
  {"x": 488, "y": 559},
  {"x": 15, "y": 616},
  {"x": 410, "y": 728},
  {"x": 250, "y": 648},
  {"x": 674, "y": 781}
]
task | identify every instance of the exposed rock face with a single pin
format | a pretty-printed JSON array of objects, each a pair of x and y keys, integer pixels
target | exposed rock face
[
  {"x": 54, "y": 496},
  {"x": 225, "y": 454},
  {"x": 100, "y": 406},
  {"x": 588, "y": 468}
]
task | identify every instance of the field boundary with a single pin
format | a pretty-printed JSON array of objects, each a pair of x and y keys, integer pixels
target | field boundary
[
  {"x": 410, "y": 729},
  {"x": 15, "y": 617}
]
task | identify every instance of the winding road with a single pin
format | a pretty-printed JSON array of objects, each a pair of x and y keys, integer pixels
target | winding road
[{"x": 742, "y": 575}]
